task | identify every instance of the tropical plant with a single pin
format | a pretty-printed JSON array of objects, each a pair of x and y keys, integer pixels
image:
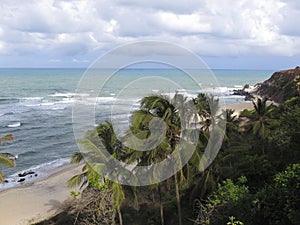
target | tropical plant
[
  {"x": 180, "y": 120},
  {"x": 90, "y": 176},
  {"x": 280, "y": 199},
  {"x": 232, "y": 221},
  {"x": 164, "y": 108},
  {"x": 6, "y": 159},
  {"x": 259, "y": 119}
]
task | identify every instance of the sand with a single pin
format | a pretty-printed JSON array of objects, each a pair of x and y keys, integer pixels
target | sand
[
  {"x": 38, "y": 201},
  {"x": 238, "y": 108}
]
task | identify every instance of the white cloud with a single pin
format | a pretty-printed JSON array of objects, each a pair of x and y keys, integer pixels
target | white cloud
[
  {"x": 191, "y": 23},
  {"x": 77, "y": 29},
  {"x": 80, "y": 60},
  {"x": 180, "y": 7}
]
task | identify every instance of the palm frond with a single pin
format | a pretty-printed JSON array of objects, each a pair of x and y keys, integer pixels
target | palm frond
[
  {"x": 6, "y": 161},
  {"x": 118, "y": 195},
  {"x": 93, "y": 152},
  {"x": 8, "y": 137},
  {"x": 77, "y": 157},
  {"x": 78, "y": 180},
  {"x": 1, "y": 178}
]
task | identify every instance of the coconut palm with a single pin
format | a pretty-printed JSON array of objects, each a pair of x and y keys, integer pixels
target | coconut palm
[
  {"x": 202, "y": 105},
  {"x": 207, "y": 107},
  {"x": 93, "y": 142},
  {"x": 259, "y": 118},
  {"x": 6, "y": 159},
  {"x": 164, "y": 108},
  {"x": 171, "y": 111}
]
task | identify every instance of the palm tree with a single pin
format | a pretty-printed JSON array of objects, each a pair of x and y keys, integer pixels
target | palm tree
[
  {"x": 90, "y": 171},
  {"x": 6, "y": 159},
  {"x": 207, "y": 107},
  {"x": 202, "y": 104},
  {"x": 89, "y": 177},
  {"x": 164, "y": 108},
  {"x": 232, "y": 127},
  {"x": 259, "y": 118}
]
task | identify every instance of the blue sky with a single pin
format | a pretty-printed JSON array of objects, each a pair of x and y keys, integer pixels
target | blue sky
[{"x": 226, "y": 34}]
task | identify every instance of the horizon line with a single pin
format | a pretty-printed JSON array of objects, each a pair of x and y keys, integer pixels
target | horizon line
[{"x": 146, "y": 68}]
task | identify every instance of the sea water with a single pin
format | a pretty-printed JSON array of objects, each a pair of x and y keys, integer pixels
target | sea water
[{"x": 36, "y": 107}]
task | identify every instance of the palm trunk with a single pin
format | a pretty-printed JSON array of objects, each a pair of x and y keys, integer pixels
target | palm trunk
[
  {"x": 113, "y": 218},
  {"x": 161, "y": 207},
  {"x": 178, "y": 199},
  {"x": 120, "y": 216}
]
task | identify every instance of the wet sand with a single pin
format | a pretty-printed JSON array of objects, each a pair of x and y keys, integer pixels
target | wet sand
[{"x": 35, "y": 202}]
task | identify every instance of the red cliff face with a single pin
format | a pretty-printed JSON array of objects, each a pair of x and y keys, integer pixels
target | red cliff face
[{"x": 281, "y": 86}]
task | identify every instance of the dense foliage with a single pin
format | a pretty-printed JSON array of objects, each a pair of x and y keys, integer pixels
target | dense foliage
[{"x": 255, "y": 178}]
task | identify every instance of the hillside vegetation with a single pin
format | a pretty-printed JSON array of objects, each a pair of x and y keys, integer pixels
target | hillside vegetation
[{"x": 281, "y": 86}]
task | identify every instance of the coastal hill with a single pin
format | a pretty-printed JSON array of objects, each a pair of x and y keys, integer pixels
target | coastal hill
[{"x": 281, "y": 86}]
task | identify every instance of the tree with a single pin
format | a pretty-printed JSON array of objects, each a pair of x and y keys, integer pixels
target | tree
[
  {"x": 164, "y": 108},
  {"x": 156, "y": 106},
  {"x": 259, "y": 119},
  {"x": 6, "y": 159},
  {"x": 280, "y": 200},
  {"x": 90, "y": 175}
]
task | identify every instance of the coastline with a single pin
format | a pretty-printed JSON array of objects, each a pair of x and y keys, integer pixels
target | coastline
[
  {"x": 41, "y": 199},
  {"x": 37, "y": 201}
]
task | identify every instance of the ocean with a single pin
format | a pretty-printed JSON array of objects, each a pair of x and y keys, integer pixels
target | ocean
[{"x": 36, "y": 107}]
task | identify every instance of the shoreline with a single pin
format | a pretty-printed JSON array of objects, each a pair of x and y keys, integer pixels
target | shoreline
[
  {"x": 38, "y": 173},
  {"x": 37, "y": 201}
]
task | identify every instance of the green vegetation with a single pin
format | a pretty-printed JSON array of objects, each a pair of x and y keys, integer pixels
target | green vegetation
[
  {"x": 6, "y": 159},
  {"x": 245, "y": 181},
  {"x": 281, "y": 86},
  {"x": 255, "y": 178}
]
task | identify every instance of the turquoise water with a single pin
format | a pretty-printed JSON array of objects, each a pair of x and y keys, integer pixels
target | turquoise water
[{"x": 36, "y": 105}]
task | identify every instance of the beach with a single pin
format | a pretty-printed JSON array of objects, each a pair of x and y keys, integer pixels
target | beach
[
  {"x": 34, "y": 202},
  {"x": 238, "y": 108}
]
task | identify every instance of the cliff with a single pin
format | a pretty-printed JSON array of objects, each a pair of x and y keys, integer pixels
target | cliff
[{"x": 281, "y": 86}]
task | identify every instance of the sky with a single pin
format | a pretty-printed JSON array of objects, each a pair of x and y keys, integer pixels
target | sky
[{"x": 228, "y": 34}]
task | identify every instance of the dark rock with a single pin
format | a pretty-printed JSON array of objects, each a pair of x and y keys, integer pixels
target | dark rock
[
  {"x": 6, "y": 181},
  {"x": 21, "y": 180},
  {"x": 246, "y": 86},
  {"x": 26, "y": 173},
  {"x": 242, "y": 92}
]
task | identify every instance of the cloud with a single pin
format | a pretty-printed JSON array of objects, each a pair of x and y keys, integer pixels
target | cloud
[
  {"x": 79, "y": 29},
  {"x": 180, "y": 7},
  {"x": 289, "y": 15},
  {"x": 183, "y": 23}
]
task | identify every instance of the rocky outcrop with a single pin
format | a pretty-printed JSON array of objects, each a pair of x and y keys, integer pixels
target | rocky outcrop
[
  {"x": 244, "y": 92},
  {"x": 281, "y": 86}
]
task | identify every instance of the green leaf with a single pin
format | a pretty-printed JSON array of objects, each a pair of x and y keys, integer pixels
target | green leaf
[
  {"x": 1, "y": 177},
  {"x": 78, "y": 180},
  {"x": 6, "y": 161},
  {"x": 8, "y": 138}
]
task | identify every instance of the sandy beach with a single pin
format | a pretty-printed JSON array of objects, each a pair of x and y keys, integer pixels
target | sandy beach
[
  {"x": 239, "y": 107},
  {"x": 36, "y": 201}
]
